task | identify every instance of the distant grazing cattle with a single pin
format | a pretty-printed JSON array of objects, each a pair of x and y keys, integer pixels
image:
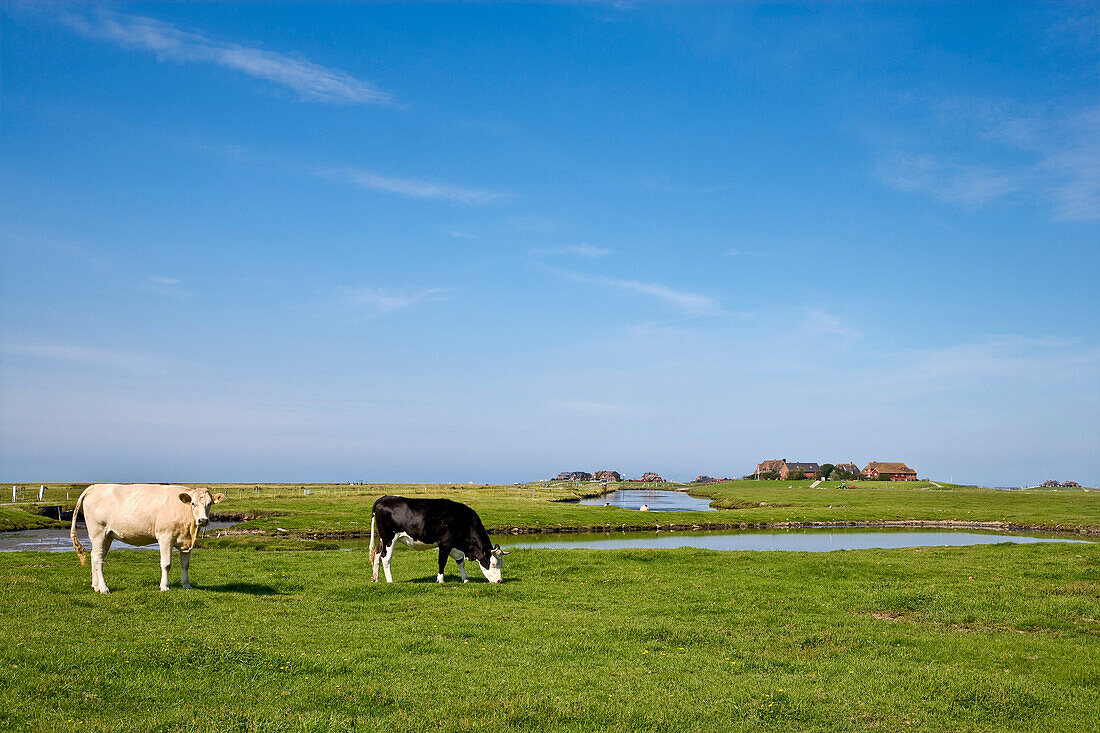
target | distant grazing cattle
[
  {"x": 425, "y": 524},
  {"x": 141, "y": 514}
]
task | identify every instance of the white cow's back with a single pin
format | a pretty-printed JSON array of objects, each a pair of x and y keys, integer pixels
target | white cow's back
[{"x": 138, "y": 513}]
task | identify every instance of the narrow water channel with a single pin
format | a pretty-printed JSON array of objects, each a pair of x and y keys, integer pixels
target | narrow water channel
[
  {"x": 657, "y": 500},
  {"x": 797, "y": 540},
  {"x": 800, "y": 540},
  {"x": 58, "y": 540}
]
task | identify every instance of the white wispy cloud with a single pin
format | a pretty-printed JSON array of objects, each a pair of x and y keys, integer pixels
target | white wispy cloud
[
  {"x": 413, "y": 187},
  {"x": 380, "y": 301},
  {"x": 944, "y": 179},
  {"x": 693, "y": 303},
  {"x": 88, "y": 355},
  {"x": 1014, "y": 152},
  {"x": 170, "y": 286},
  {"x": 819, "y": 322},
  {"x": 580, "y": 250},
  {"x": 1019, "y": 357},
  {"x": 312, "y": 82}
]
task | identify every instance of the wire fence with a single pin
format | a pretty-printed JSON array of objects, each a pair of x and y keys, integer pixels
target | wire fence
[
  {"x": 56, "y": 494},
  {"x": 39, "y": 494}
]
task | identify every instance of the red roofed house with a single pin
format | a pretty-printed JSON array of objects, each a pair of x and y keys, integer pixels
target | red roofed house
[
  {"x": 769, "y": 467},
  {"x": 808, "y": 470},
  {"x": 877, "y": 470}
]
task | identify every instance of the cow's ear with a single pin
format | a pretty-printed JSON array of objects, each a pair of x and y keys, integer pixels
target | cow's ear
[
  {"x": 185, "y": 497},
  {"x": 218, "y": 498}
]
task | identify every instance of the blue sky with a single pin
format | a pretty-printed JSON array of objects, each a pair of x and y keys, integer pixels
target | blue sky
[{"x": 494, "y": 242}]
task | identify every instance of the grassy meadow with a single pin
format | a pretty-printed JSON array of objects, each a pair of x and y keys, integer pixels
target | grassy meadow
[
  {"x": 332, "y": 511},
  {"x": 992, "y": 638},
  {"x": 985, "y": 638}
]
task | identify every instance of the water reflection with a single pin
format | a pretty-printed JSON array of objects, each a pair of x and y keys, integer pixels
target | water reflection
[
  {"x": 656, "y": 499},
  {"x": 57, "y": 540},
  {"x": 800, "y": 540}
]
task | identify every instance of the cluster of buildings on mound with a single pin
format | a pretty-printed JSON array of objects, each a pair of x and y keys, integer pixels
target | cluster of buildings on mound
[
  {"x": 780, "y": 468},
  {"x": 785, "y": 470},
  {"x": 648, "y": 478}
]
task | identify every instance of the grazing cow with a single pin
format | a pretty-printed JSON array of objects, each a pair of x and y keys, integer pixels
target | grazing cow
[
  {"x": 141, "y": 514},
  {"x": 424, "y": 524}
]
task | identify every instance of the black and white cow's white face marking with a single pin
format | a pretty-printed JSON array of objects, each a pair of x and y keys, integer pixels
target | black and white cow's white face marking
[
  {"x": 496, "y": 560},
  {"x": 200, "y": 502}
]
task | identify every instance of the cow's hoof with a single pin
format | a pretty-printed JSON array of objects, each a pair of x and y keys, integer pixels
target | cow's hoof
[
  {"x": 186, "y": 587},
  {"x": 164, "y": 588},
  {"x": 466, "y": 580},
  {"x": 104, "y": 591}
]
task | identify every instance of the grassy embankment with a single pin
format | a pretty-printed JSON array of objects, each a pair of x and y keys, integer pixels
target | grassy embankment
[
  {"x": 328, "y": 512},
  {"x": 12, "y": 518},
  {"x": 992, "y": 638},
  {"x": 744, "y": 503}
]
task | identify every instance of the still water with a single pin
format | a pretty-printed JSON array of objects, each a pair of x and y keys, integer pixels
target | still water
[
  {"x": 656, "y": 499},
  {"x": 57, "y": 540},
  {"x": 800, "y": 540}
]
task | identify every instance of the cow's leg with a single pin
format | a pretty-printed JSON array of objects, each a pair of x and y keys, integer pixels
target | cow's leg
[
  {"x": 101, "y": 542},
  {"x": 185, "y": 562},
  {"x": 444, "y": 553},
  {"x": 377, "y": 559},
  {"x": 386, "y": 557},
  {"x": 165, "y": 561},
  {"x": 460, "y": 560},
  {"x": 108, "y": 538}
]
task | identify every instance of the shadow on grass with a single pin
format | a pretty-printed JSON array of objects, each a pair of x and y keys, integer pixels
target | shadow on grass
[
  {"x": 252, "y": 589},
  {"x": 448, "y": 580}
]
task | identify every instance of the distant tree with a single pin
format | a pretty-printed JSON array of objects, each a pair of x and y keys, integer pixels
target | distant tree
[
  {"x": 827, "y": 470},
  {"x": 796, "y": 476},
  {"x": 769, "y": 476}
]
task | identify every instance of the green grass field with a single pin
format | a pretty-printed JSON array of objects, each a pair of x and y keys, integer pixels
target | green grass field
[
  {"x": 328, "y": 511},
  {"x": 999, "y": 637},
  {"x": 507, "y": 509},
  {"x": 990, "y": 638}
]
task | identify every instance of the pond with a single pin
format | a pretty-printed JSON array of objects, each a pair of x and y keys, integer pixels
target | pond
[
  {"x": 799, "y": 540},
  {"x": 57, "y": 540},
  {"x": 656, "y": 499}
]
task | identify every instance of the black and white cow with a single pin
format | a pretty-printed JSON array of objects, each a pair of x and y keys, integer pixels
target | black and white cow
[{"x": 424, "y": 524}]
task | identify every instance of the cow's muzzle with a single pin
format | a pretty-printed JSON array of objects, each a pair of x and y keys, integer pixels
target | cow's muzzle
[{"x": 202, "y": 522}]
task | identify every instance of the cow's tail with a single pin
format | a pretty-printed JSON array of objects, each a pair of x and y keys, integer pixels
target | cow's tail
[
  {"x": 373, "y": 547},
  {"x": 81, "y": 552}
]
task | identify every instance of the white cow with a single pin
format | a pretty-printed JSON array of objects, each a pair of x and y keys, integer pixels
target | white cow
[{"x": 141, "y": 514}]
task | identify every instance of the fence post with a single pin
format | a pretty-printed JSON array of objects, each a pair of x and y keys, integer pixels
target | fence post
[
  {"x": 14, "y": 494},
  {"x": 42, "y": 492}
]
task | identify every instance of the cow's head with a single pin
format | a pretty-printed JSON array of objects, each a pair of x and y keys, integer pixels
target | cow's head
[
  {"x": 200, "y": 500},
  {"x": 492, "y": 570}
]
